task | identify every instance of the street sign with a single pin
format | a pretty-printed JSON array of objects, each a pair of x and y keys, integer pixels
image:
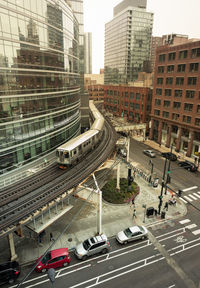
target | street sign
[{"x": 168, "y": 172}]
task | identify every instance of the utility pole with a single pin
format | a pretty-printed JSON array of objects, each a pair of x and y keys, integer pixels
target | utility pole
[
  {"x": 168, "y": 172},
  {"x": 151, "y": 163},
  {"x": 162, "y": 186},
  {"x": 99, "y": 208}
]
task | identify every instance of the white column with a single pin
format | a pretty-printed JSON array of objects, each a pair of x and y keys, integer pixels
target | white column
[
  {"x": 99, "y": 207},
  {"x": 118, "y": 176},
  {"x": 13, "y": 255}
]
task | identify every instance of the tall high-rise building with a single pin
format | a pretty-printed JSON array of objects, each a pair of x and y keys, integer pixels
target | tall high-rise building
[
  {"x": 88, "y": 52},
  {"x": 39, "y": 79},
  {"x": 128, "y": 42}
]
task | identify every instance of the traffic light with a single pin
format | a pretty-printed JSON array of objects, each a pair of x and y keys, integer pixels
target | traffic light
[
  {"x": 130, "y": 180},
  {"x": 179, "y": 193},
  {"x": 168, "y": 179}
]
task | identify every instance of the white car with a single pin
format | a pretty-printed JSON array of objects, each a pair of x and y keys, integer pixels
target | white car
[
  {"x": 150, "y": 153},
  {"x": 131, "y": 234}
]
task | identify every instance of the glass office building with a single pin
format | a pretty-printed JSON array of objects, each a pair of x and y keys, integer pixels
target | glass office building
[
  {"x": 127, "y": 43},
  {"x": 39, "y": 79}
]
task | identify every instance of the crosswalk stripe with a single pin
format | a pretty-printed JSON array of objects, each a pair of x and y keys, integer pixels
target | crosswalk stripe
[
  {"x": 198, "y": 192},
  {"x": 184, "y": 221},
  {"x": 183, "y": 200},
  {"x": 190, "y": 195},
  {"x": 187, "y": 198},
  {"x": 191, "y": 226},
  {"x": 196, "y": 232},
  {"x": 196, "y": 195},
  {"x": 190, "y": 188}
]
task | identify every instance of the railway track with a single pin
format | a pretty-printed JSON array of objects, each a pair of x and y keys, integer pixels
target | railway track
[{"x": 30, "y": 197}]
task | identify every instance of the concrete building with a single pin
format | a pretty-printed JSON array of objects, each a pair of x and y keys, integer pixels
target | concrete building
[
  {"x": 128, "y": 42},
  {"x": 39, "y": 80},
  {"x": 88, "y": 52},
  {"x": 129, "y": 102},
  {"x": 94, "y": 84},
  {"x": 175, "y": 114}
]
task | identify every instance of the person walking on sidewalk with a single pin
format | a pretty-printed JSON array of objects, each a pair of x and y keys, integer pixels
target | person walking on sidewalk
[
  {"x": 134, "y": 213},
  {"x": 51, "y": 236},
  {"x": 166, "y": 206}
]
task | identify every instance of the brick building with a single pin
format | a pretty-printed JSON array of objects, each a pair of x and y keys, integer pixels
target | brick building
[
  {"x": 93, "y": 83},
  {"x": 131, "y": 102},
  {"x": 175, "y": 111}
]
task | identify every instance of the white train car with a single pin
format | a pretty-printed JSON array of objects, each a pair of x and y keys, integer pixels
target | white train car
[{"x": 71, "y": 152}]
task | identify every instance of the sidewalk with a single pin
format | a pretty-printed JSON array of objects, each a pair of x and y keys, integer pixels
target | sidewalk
[{"x": 114, "y": 219}]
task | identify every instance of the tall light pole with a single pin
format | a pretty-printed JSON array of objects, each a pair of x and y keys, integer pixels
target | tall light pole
[
  {"x": 151, "y": 163},
  {"x": 162, "y": 186},
  {"x": 168, "y": 171}
]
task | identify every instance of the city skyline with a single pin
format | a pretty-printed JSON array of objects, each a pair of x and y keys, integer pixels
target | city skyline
[{"x": 95, "y": 17}]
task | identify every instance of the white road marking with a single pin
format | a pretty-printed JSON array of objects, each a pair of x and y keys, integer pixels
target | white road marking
[
  {"x": 191, "y": 226},
  {"x": 190, "y": 188},
  {"x": 196, "y": 195},
  {"x": 198, "y": 192},
  {"x": 184, "y": 221},
  {"x": 187, "y": 198},
  {"x": 183, "y": 200},
  {"x": 196, "y": 232},
  {"x": 192, "y": 196}
]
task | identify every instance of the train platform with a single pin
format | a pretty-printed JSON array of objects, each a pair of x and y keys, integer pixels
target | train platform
[{"x": 114, "y": 219}]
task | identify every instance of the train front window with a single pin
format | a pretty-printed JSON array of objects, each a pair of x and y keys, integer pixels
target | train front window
[
  {"x": 66, "y": 154},
  {"x": 57, "y": 153}
]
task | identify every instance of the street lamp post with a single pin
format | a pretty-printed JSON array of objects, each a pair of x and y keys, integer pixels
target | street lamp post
[
  {"x": 151, "y": 163},
  {"x": 162, "y": 186},
  {"x": 168, "y": 171}
]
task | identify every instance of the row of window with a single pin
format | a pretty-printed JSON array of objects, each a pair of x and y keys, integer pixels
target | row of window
[
  {"x": 185, "y": 118},
  {"x": 179, "y": 81},
  {"x": 177, "y": 93},
  {"x": 137, "y": 96},
  {"x": 180, "y": 55},
  {"x": 177, "y": 105},
  {"x": 193, "y": 67}
]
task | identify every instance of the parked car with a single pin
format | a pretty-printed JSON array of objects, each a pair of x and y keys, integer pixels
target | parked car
[
  {"x": 150, "y": 153},
  {"x": 91, "y": 246},
  {"x": 53, "y": 259},
  {"x": 131, "y": 234},
  {"x": 169, "y": 155},
  {"x": 9, "y": 272},
  {"x": 188, "y": 165}
]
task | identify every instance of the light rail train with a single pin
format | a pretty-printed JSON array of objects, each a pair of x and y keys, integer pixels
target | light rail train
[{"x": 72, "y": 151}]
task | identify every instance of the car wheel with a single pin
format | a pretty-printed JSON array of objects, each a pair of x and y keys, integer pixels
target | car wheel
[
  {"x": 11, "y": 281},
  {"x": 125, "y": 242},
  {"x": 65, "y": 264},
  {"x": 44, "y": 270},
  {"x": 104, "y": 251},
  {"x": 84, "y": 257}
]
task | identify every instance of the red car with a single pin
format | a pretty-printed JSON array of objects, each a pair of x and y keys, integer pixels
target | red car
[{"x": 53, "y": 259}]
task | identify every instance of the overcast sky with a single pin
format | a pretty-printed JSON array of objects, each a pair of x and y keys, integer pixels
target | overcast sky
[{"x": 170, "y": 16}]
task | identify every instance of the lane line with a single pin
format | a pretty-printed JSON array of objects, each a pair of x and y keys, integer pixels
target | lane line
[
  {"x": 192, "y": 196},
  {"x": 187, "y": 198},
  {"x": 191, "y": 226},
  {"x": 190, "y": 188},
  {"x": 183, "y": 200},
  {"x": 196, "y": 232},
  {"x": 196, "y": 195},
  {"x": 184, "y": 221}
]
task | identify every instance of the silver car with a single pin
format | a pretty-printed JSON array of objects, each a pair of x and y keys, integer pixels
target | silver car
[
  {"x": 150, "y": 153},
  {"x": 91, "y": 246},
  {"x": 131, "y": 234}
]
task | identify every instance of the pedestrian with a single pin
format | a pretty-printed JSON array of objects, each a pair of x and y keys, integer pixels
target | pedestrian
[
  {"x": 51, "y": 236},
  {"x": 133, "y": 202},
  {"x": 166, "y": 206},
  {"x": 155, "y": 212},
  {"x": 134, "y": 213}
]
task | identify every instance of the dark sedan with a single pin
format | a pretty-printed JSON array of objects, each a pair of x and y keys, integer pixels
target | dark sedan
[
  {"x": 169, "y": 155},
  {"x": 188, "y": 165}
]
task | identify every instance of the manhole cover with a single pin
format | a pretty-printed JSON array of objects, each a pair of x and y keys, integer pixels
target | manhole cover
[{"x": 70, "y": 239}]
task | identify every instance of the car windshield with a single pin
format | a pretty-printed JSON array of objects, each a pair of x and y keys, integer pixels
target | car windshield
[
  {"x": 141, "y": 229},
  {"x": 86, "y": 244},
  {"x": 127, "y": 232},
  {"x": 46, "y": 258}
]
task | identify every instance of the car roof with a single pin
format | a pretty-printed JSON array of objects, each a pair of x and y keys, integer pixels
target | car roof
[
  {"x": 98, "y": 238},
  {"x": 59, "y": 252},
  {"x": 134, "y": 229}
]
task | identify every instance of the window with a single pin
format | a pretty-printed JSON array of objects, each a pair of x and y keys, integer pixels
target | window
[
  {"x": 165, "y": 114},
  {"x": 179, "y": 80},
  {"x": 137, "y": 96},
  {"x": 197, "y": 121},
  {"x": 170, "y": 68},
  {"x": 186, "y": 119},
  {"x": 181, "y": 68},
  {"x": 168, "y": 92},
  {"x": 166, "y": 103},
  {"x": 162, "y": 58},
  {"x": 157, "y": 102},
  {"x": 132, "y": 95},
  {"x": 175, "y": 116},
  {"x": 169, "y": 81},
  {"x": 160, "y": 81},
  {"x": 188, "y": 107},
  {"x": 190, "y": 93},
  {"x": 158, "y": 91},
  {"x": 132, "y": 105},
  {"x": 195, "y": 53},
  {"x": 178, "y": 93},
  {"x": 115, "y": 93},
  {"x": 183, "y": 54},
  {"x": 111, "y": 92},
  {"x": 198, "y": 108},
  {"x": 137, "y": 106},
  {"x": 126, "y": 104},
  {"x": 126, "y": 94},
  {"x": 172, "y": 56},
  {"x": 160, "y": 69},
  {"x": 192, "y": 80},
  {"x": 157, "y": 112},
  {"x": 177, "y": 105},
  {"x": 194, "y": 67}
]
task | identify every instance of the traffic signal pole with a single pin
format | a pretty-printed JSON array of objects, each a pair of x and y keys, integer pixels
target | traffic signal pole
[{"x": 162, "y": 186}]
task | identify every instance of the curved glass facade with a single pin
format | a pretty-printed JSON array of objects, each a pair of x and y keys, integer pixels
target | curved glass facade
[{"x": 39, "y": 79}]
